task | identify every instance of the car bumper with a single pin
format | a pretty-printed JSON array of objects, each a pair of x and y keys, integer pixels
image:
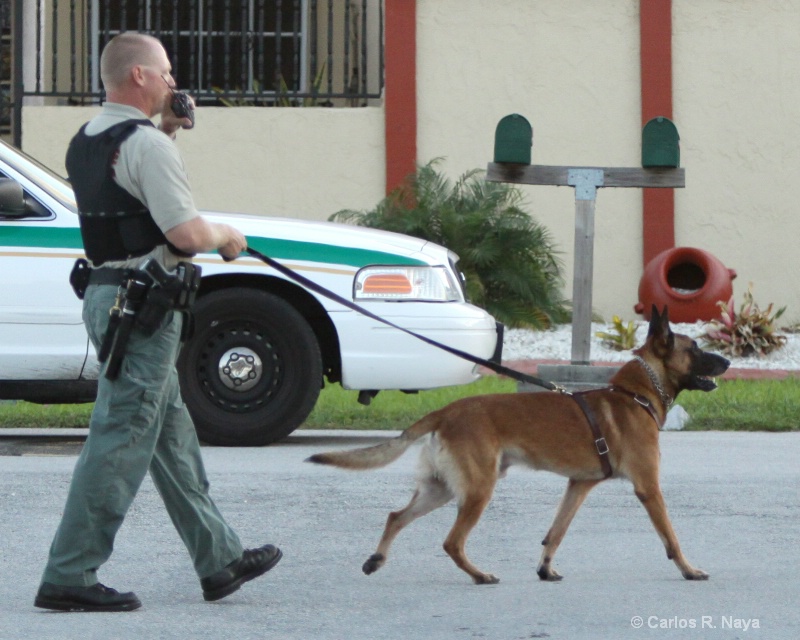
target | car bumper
[{"x": 376, "y": 356}]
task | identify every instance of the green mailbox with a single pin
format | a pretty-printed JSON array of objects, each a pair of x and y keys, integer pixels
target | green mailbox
[
  {"x": 513, "y": 140},
  {"x": 660, "y": 146}
]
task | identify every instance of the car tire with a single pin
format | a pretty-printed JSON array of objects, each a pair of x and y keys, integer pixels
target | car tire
[{"x": 252, "y": 371}]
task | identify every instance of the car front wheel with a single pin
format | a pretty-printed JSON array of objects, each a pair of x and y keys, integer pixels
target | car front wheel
[{"x": 252, "y": 371}]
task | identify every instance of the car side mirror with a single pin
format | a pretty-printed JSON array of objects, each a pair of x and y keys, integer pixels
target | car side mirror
[{"x": 12, "y": 198}]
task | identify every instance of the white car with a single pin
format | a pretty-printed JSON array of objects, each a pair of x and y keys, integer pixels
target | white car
[{"x": 262, "y": 344}]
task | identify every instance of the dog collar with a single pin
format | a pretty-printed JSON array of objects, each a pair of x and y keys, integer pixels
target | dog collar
[{"x": 665, "y": 397}]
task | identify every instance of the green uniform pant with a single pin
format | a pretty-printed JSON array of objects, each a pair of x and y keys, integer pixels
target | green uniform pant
[{"x": 139, "y": 424}]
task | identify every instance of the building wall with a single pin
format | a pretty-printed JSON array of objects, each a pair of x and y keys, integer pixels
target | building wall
[
  {"x": 572, "y": 68},
  {"x": 298, "y": 162},
  {"x": 737, "y": 99}
]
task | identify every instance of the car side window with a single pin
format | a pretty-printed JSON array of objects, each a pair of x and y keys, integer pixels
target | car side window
[{"x": 18, "y": 204}]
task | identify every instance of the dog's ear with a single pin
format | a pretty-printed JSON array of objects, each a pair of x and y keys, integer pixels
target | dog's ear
[
  {"x": 658, "y": 321},
  {"x": 655, "y": 320},
  {"x": 660, "y": 331}
]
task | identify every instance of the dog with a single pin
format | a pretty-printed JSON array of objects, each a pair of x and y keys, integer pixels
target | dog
[{"x": 472, "y": 442}]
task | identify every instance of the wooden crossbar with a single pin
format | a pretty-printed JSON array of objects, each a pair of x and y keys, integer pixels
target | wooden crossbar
[{"x": 612, "y": 176}]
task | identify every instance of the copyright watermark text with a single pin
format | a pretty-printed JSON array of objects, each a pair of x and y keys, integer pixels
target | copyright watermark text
[{"x": 700, "y": 622}]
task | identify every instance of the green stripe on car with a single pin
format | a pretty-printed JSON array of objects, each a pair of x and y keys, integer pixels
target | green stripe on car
[{"x": 70, "y": 238}]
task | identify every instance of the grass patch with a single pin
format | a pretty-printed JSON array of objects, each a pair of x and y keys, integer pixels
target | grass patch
[
  {"x": 738, "y": 405},
  {"x": 336, "y": 408},
  {"x": 745, "y": 405},
  {"x": 391, "y": 410},
  {"x": 26, "y": 415}
]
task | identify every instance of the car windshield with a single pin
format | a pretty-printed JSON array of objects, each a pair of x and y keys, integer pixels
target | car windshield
[{"x": 51, "y": 183}]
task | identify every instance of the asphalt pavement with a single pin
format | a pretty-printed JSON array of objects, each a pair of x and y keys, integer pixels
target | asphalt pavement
[{"x": 733, "y": 499}]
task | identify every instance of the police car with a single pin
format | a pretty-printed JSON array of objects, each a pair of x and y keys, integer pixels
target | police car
[{"x": 263, "y": 344}]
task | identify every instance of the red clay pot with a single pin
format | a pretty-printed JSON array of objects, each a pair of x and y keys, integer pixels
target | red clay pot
[{"x": 690, "y": 281}]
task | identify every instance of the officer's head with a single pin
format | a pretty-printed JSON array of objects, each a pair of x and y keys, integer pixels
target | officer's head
[{"x": 133, "y": 67}]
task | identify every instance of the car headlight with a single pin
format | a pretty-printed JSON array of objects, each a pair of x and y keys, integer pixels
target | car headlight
[{"x": 431, "y": 284}]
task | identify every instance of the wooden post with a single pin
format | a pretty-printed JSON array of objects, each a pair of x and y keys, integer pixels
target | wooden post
[
  {"x": 582, "y": 281},
  {"x": 585, "y": 182}
]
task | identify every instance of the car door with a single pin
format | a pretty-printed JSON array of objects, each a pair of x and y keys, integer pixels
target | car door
[{"x": 42, "y": 336}]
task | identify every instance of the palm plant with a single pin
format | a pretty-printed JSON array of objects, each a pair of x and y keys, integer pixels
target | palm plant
[{"x": 508, "y": 260}]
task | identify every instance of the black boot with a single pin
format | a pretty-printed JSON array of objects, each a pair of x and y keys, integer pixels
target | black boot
[
  {"x": 95, "y": 598},
  {"x": 253, "y": 563}
]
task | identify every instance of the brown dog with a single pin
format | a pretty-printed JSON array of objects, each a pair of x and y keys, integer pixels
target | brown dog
[{"x": 474, "y": 440}]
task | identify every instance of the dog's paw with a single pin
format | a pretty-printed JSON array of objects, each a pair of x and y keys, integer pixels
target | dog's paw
[
  {"x": 695, "y": 574},
  {"x": 548, "y": 574},
  {"x": 373, "y": 563},
  {"x": 485, "y": 578}
]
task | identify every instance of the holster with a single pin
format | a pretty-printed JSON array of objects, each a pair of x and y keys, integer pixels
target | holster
[
  {"x": 171, "y": 291},
  {"x": 135, "y": 294},
  {"x": 79, "y": 277}
]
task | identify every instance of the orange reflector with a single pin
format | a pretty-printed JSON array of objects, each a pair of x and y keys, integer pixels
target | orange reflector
[{"x": 387, "y": 283}]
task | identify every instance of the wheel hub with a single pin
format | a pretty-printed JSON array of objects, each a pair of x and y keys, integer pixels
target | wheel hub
[{"x": 240, "y": 369}]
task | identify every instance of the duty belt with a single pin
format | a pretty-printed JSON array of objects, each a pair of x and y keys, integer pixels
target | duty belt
[
  {"x": 145, "y": 297},
  {"x": 107, "y": 275}
]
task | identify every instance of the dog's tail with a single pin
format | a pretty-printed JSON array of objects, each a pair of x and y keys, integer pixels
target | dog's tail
[{"x": 381, "y": 454}]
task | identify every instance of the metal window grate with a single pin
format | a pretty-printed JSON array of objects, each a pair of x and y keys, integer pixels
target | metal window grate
[
  {"x": 231, "y": 52},
  {"x": 5, "y": 69}
]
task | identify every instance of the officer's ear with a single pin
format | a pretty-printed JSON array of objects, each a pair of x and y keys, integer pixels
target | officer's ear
[{"x": 137, "y": 75}]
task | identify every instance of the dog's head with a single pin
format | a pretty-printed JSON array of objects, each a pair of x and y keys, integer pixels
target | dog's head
[{"x": 685, "y": 365}]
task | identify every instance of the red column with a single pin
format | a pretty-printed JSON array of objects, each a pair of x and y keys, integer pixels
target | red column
[
  {"x": 655, "y": 32},
  {"x": 400, "y": 93}
]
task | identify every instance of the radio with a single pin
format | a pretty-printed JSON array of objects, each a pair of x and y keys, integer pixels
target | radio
[{"x": 182, "y": 107}]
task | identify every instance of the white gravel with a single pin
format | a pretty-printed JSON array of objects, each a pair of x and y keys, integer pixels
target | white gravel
[{"x": 556, "y": 344}]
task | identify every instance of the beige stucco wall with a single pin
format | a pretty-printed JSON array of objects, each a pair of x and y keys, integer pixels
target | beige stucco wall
[
  {"x": 572, "y": 68},
  {"x": 737, "y": 99},
  {"x": 304, "y": 163}
]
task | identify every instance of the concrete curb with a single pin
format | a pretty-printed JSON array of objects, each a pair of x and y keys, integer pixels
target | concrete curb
[{"x": 301, "y": 436}]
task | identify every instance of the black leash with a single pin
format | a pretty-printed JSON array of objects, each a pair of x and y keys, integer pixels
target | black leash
[{"x": 313, "y": 286}]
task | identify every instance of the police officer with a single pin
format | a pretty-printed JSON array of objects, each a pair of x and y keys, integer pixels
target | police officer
[{"x": 135, "y": 203}]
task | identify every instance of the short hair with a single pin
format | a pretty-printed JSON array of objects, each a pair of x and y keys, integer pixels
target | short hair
[{"x": 123, "y": 52}]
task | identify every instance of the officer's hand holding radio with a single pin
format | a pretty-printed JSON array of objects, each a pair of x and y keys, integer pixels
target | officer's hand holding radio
[
  {"x": 177, "y": 112},
  {"x": 182, "y": 106}
]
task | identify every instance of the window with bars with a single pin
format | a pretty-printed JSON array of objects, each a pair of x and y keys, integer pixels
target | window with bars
[
  {"x": 248, "y": 48},
  {"x": 262, "y": 52},
  {"x": 5, "y": 69}
]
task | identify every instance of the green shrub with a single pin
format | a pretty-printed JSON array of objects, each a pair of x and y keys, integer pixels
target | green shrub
[{"x": 508, "y": 260}]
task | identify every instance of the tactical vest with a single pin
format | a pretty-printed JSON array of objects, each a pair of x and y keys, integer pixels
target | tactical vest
[{"x": 114, "y": 224}]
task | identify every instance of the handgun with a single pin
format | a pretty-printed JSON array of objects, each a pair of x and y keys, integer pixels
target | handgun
[{"x": 158, "y": 273}]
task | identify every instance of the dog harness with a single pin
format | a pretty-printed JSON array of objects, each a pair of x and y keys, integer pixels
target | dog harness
[{"x": 599, "y": 440}]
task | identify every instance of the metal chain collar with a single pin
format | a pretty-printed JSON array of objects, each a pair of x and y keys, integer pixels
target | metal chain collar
[{"x": 665, "y": 398}]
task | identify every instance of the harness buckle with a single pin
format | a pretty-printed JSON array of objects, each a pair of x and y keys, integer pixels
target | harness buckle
[{"x": 602, "y": 446}]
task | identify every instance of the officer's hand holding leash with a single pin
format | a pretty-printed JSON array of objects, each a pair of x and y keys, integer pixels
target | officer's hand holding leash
[{"x": 236, "y": 244}]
